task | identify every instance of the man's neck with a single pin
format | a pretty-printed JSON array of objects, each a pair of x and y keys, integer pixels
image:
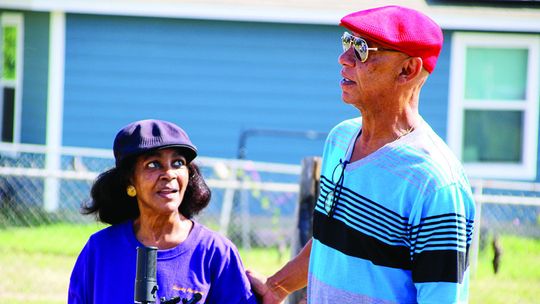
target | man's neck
[{"x": 379, "y": 131}]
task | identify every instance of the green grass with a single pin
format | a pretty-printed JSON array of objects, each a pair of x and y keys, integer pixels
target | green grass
[
  {"x": 518, "y": 279},
  {"x": 35, "y": 265},
  {"x": 55, "y": 239}
]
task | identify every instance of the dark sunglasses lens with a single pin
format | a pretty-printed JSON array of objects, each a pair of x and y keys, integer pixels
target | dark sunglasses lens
[
  {"x": 361, "y": 48},
  {"x": 346, "y": 41}
]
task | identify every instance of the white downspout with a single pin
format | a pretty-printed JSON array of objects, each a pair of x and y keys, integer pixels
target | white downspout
[{"x": 55, "y": 108}]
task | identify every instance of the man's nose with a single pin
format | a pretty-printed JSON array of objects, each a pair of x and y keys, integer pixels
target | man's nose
[{"x": 347, "y": 58}]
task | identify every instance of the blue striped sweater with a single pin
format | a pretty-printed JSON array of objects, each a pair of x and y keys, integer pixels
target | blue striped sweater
[{"x": 399, "y": 228}]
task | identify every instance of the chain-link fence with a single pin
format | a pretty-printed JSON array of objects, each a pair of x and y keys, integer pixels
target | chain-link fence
[
  {"x": 42, "y": 229},
  {"x": 504, "y": 209},
  {"x": 252, "y": 203},
  {"x": 508, "y": 207}
]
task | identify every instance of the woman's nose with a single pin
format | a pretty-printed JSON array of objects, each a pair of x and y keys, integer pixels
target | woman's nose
[{"x": 169, "y": 173}]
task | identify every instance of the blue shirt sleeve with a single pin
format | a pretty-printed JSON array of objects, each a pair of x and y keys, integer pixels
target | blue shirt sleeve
[
  {"x": 440, "y": 236},
  {"x": 230, "y": 283}
]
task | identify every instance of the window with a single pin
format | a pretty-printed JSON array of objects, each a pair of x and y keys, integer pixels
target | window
[
  {"x": 493, "y": 108},
  {"x": 11, "y": 76}
]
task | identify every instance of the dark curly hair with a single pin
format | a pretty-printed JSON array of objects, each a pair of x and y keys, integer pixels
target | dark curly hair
[{"x": 111, "y": 204}]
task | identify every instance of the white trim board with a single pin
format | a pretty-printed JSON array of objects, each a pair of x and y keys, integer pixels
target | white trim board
[{"x": 328, "y": 12}]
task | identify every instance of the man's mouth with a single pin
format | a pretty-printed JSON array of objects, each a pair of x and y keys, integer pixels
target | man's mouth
[{"x": 346, "y": 80}]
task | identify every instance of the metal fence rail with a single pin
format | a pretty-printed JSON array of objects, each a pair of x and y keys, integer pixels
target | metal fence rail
[{"x": 253, "y": 203}]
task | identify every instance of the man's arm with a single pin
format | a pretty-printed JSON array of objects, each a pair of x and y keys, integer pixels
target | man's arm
[
  {"x": 440, "y": 241},
  {"x": 289, "y": 278}
]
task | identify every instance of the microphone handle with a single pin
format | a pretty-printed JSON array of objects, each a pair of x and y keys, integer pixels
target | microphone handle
[{"x": 146, "y": 281}]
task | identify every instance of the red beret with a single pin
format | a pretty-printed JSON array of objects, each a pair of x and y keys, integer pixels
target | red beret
[{"x": 399, "y": 28}]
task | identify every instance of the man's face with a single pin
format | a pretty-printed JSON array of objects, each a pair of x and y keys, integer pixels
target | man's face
[{"x": 368, "y": 82}]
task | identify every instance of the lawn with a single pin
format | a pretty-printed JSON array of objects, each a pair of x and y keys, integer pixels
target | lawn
[{"x": 35, "y": 264}]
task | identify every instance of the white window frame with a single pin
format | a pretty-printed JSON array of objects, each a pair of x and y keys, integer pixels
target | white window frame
[
  {"x": 526, "y": 170},
  {"x": 14, "y": 19}
]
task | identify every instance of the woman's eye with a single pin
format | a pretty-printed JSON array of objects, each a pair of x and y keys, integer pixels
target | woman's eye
[
  {"x": 179, "y": 163},
  {"x": 153, "y": 165}
]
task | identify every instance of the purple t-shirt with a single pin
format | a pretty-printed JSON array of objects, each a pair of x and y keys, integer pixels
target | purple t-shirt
[{"x": 205, "y": 262}]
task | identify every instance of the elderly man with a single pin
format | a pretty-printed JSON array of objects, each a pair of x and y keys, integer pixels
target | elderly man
[{"x": 393, "y": 222}]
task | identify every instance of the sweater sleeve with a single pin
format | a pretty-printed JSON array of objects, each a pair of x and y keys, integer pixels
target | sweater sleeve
[
  {"x": 230, "y": 283},
  {"x": 441, "y": 233}
]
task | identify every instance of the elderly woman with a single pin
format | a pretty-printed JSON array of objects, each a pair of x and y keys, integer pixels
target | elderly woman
[{"x": 150, "y": 198}]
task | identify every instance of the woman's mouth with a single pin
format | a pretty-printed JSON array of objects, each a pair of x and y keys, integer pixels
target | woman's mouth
[{"x": 167, "y": 192}]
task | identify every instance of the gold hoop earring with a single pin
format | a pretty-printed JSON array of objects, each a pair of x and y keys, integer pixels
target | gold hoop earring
[{"x": 131, "y": 191}]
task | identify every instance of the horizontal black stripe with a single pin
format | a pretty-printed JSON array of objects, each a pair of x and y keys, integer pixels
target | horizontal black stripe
[
  {"x": 361, "y": 205},
  {"x": 378, "y": 225},
  {"x": 461, "y": 216},
  {"x": 325, "y": 181},
  {"x": 365, "y": 210},
  {"x": 440, "y": 266},
  {"x": 454, "y": 229},
  {"x": 453, "y": 219},
  {"x": 460, "y": 235},
  {"x": 338, "y": 235},
  {"x": 439, "y": 247},
  {"x": 365, "y": 226}
]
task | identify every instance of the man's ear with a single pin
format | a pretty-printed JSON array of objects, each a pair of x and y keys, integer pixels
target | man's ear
[{"x": 410, "y": 69}]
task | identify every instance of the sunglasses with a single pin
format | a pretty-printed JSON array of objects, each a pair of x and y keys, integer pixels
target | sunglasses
[
  {"x": 361, "y": 48},
  {"x": 332, "y": 197}
]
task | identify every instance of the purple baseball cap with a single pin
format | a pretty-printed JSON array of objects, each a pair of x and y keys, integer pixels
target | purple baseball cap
[{"x": 146, "y": 135}]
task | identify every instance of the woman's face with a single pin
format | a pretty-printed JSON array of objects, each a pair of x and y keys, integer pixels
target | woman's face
[{"x": 160, "y": 178}]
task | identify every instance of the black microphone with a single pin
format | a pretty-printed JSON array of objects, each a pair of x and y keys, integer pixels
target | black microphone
[{"x": 146, "y": 282}]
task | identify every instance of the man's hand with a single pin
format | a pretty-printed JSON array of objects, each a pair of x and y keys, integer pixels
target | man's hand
[
  {"x": 291, "y": 277},
  {"x": 265, "y": 294}
]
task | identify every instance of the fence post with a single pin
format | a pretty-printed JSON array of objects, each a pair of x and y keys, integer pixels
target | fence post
[
  {"x": 228, "y": 199},
  {"x": 475, "y": 246},
  {"x": 307, "y": 198}
]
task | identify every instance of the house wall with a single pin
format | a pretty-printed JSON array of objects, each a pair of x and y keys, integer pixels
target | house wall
[
  {"x": 434, "y": 95},
  {"x": 214, "y": 78}
]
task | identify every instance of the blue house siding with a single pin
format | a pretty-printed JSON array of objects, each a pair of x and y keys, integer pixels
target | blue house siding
[
  {"x": 214, "y": 78},
  {"x": 434, "y": 96},
  {"x": 35, "y": 77}
]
